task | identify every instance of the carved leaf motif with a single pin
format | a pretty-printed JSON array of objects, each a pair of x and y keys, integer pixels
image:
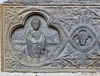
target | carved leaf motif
[
  {"x": 12, "y": 62},
  {"x": 11, "y": 14}
]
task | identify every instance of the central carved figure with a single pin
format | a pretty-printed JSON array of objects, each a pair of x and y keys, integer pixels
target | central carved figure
[{"x": 35, "y": 40}]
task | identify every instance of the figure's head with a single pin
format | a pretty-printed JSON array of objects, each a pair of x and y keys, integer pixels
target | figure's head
[{"x": 35, "y": 23}]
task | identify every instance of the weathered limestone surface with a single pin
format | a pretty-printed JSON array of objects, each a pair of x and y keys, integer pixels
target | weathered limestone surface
[
  {"x": 40, "y": 74},
  {"x": 56, "y": 1}
]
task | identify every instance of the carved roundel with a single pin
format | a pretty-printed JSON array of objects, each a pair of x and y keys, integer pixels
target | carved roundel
[{"x": 83, "y": 39}]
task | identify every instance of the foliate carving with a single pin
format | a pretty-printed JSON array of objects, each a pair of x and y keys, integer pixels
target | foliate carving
[
  {"x": 51, "y": 37},
  {"x": 11, "y": 13},
  {"x": 12, "y": 62}
]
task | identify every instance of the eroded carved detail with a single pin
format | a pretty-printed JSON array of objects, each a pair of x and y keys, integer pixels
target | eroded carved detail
[
  {"x": 36, "y": 42},
  {"x": 83, "y": 39},
  {"x": 71, "y": 39}
]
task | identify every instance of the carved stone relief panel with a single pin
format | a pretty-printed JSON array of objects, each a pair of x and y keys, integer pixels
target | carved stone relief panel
[
  {"x": 35, "y": 41},
  {"x": 51, "y": 38}
]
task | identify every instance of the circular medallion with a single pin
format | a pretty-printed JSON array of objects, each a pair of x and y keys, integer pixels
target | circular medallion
[{"x": 83, "y": 39}]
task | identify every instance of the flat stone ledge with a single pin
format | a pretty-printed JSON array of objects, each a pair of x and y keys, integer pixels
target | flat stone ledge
[{"x": 54, "y": 1}]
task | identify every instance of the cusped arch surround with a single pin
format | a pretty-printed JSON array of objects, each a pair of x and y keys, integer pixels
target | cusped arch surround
[{"x": 25, "y": 15}]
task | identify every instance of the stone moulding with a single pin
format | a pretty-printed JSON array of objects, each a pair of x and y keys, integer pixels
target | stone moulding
[
  {"x": 50, "y": 38},
  {"x": 54, "y": 1}
]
